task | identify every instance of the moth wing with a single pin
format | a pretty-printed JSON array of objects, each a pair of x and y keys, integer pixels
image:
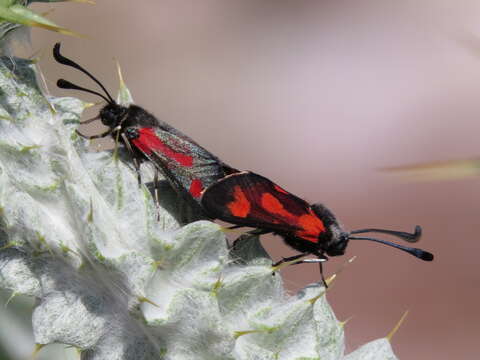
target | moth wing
[
  {"x": 252, "y": 200},
  {"x": 186, "y": 165}
]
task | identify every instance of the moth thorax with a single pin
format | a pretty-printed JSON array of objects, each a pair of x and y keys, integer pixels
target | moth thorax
[
  {"x": 334, "y": 240},
  {"x": 111, "y": 114}
]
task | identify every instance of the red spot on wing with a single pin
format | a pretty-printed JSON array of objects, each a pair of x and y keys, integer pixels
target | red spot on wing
[
  {"x": 240, "y": 206},
  {"x": 273, "y": 205},
  {"x": 196, "y": 188},
  {"x": 148, "y": 142},
  {"x": 312, "y": 227}
]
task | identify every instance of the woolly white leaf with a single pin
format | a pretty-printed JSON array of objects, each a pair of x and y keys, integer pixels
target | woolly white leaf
[{"x": 79, "y": 234}]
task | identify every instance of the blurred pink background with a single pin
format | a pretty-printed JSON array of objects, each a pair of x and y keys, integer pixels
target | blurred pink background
[{"x": 318, "y": 96}]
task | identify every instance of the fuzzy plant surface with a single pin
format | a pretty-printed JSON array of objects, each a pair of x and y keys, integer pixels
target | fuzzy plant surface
[
  {"x": 15, "y": 14},
  {"x": 80, "y": 237}
]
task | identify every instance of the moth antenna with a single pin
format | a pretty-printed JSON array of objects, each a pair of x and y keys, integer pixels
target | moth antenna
[
  {"x": 419, "y": 253},
  {"x": 64, "y": 84},
  {"x": 409, "y": 237},
  {"x": 66, "y": 61}
]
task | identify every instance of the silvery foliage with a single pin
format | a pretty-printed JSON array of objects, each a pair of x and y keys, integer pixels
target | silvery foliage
[
  {"x": 80, "y": 236},
  {"x": 16, "y": 18}
]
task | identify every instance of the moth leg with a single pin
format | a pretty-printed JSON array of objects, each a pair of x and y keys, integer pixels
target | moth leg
[
  {"x": 320, "y": 264},
  {"x": 291, "y": 258},
  {"x": 234, "y": 227},
  {"x": 322, "y": 276},
  {"x": 136, "y": 163},
  {"x": 156, "y": 192},
  {"x": 99, "y": 136},
  {"x": 320, "y": 259},
  {"x": 259, "y": 232}
]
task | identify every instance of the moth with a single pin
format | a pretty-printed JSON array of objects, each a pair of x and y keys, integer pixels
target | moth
[
  {"x": 249, "y": 199},
  {"x": 188, "y": 167}
]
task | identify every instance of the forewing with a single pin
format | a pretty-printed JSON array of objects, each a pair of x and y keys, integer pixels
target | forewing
[
  {"x": 187, "y": 166},
  {"x": 252, "y": 200}
]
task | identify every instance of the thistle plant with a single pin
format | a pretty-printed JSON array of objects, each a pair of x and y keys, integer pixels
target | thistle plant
[
  {"x": 79, "y": 235},
  {"x": 15, "y": 14}
]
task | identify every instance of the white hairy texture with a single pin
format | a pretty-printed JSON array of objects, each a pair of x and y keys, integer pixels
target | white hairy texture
[{"x": 79, "y": 235}]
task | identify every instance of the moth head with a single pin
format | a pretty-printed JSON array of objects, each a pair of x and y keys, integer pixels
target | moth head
[
  {"x": 112, "y": 114},
  {"x": 334, "y": 240}
]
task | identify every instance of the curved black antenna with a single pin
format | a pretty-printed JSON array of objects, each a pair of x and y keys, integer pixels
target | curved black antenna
[
  {"x": 419, "y": 253},
  {"x": 65, "y": 61},
  {"x": 65, "y": 84},
  {"x": 400, "y": 234}
]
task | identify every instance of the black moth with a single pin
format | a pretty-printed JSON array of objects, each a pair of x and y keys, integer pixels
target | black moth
[
  {"x": 248, "y": 199},
  {"x": 188, "y": 167}
]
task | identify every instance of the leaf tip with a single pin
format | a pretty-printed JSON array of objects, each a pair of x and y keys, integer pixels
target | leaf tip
[
  {"x": 397, "y": 326},
  {"x": 143, "y": 299},
  {"x": 37, "y": 349}
]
